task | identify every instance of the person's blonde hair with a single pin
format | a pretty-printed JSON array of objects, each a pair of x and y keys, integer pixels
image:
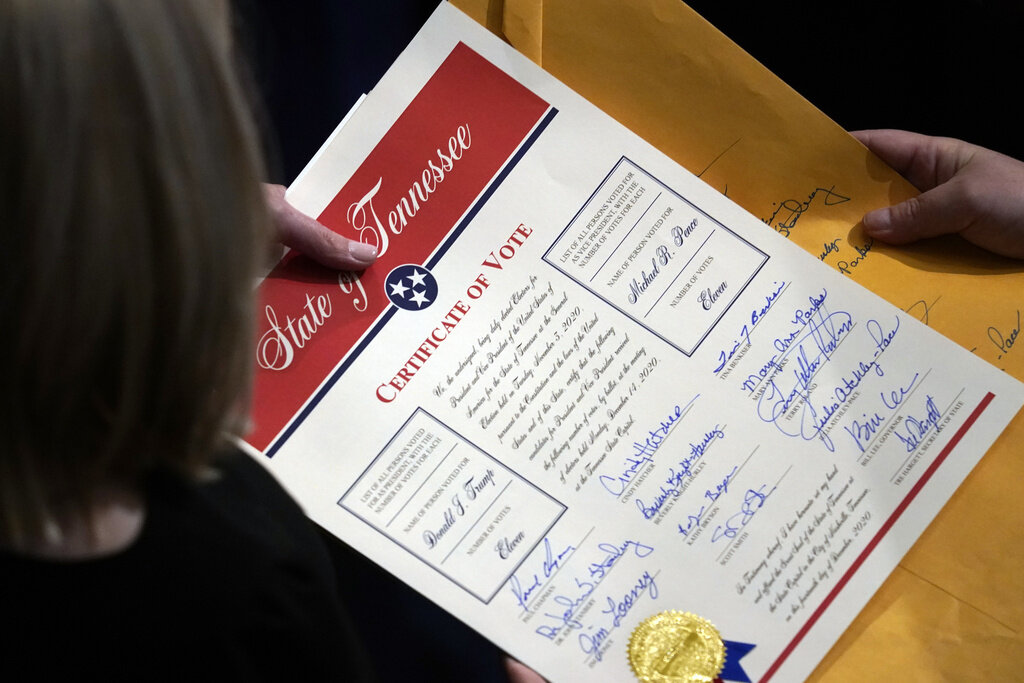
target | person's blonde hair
[{"x": 131, "y": 226}]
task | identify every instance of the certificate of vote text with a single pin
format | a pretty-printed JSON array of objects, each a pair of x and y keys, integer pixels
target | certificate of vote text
[{"x": 579, "y": 388}]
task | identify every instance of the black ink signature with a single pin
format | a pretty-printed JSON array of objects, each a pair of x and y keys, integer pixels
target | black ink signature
[
  {"x": 862, "y": 253},
  {"x": 922, "y": 309},
  {"x": 789, "y": 211},
  {"x": 1004, "y": 342}
]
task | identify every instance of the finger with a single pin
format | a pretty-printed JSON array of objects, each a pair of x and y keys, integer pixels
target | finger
[
  {"x": 304, "y": 234},
  {"x": 520, "y": 673},
  {"x": 939, "y": 211},
  {"x": 924, "y": 160}
]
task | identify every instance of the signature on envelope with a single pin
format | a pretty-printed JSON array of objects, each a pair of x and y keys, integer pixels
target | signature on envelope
[{"x": 787, "y": 212}]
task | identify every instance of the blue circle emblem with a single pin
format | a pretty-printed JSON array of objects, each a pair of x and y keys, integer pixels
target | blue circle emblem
[{"x": 411, "y": 287}]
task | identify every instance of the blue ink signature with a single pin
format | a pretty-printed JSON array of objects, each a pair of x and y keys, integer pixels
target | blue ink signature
[
  {"x": 566, "y": 619},
  {"x": 744, "y": 335},
  {"x": 593, "y": 640},
  {"x": 597, "y": 570},
  {"x": 551, "y": 563},
  {"x": 613, "y": 553},
  {"x": 811, "y": 421},
  {"x": 916, "y": 430},
  {"x": 810, "y": 353},
  {"x": 862, "y": 431},
  {"x": 672, "y": 486},
  {"x": 753, "y": 500},
  {"x": 712, "y": 495},
  {"x": 801, "y": 317},
  {"x": 643, "y": 453}
]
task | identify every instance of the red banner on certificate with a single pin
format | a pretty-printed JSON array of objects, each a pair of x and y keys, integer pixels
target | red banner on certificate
[{"x": 405, "y": 199}]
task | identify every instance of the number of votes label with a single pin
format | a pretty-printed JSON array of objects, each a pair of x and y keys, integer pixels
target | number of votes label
[{"x": 579, "y": 388}]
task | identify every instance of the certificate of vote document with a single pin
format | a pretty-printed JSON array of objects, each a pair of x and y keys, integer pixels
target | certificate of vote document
[{"x": 580, "y": 389}]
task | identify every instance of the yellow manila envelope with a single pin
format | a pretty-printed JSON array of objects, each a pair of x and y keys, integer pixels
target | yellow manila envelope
[{"x": 954, "y": 608}]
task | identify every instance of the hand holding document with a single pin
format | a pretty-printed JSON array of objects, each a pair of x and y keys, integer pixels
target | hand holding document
[{"x": 586, "y": 403}]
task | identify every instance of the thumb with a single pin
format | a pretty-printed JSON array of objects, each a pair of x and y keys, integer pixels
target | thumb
[
  {"x": 306, "y": 235},
  {"x": 939, "y": 211}
]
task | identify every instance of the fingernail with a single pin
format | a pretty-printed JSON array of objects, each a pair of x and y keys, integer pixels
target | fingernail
[
  {"x": 878, "y": 221},
  {"x": 362, "y": 252}
]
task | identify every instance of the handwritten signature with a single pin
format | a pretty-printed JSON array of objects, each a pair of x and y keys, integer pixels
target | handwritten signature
[
  {"x": 775, "y": 403},
  {"x": 712, "y": 495},
  {"x": 801, "y": 317},
  {"x": 744, "y": 336},
  {"x": 913, "y": 429},
  {"x": 789, "y": 211},
  {"x": 566, "y": 619},
  {"x": 753, "y": 500},
  {"x": 672, "y": 486},
  {"x": 862, "y": 430},
  {"x": 1004, "y": 342},
  {"x": 643, "y": 452},
  {"x": 593, "y": 640},
  {"x": 921, "y": 309},
  {"x": 580, "y": 592},
  {"x": 827, "y": 248},
  {"x": 613, "y": 553},
  {"x": 552, "y": 562},
  {"x": 810, "y": 354},
  {"x": 846, "y": 267}
]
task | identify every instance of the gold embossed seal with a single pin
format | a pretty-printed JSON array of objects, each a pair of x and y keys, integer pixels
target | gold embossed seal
[{"x": 676, "y": 646}]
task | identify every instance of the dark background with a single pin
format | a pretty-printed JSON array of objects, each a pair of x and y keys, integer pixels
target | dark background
[{"x": 943, "y": 68}]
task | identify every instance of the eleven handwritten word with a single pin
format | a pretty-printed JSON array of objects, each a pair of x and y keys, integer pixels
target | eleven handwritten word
[{"x": 708, "y": 296}]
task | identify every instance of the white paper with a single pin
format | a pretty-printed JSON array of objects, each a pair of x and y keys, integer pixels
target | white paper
[{"x": 624, "y": 395}]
